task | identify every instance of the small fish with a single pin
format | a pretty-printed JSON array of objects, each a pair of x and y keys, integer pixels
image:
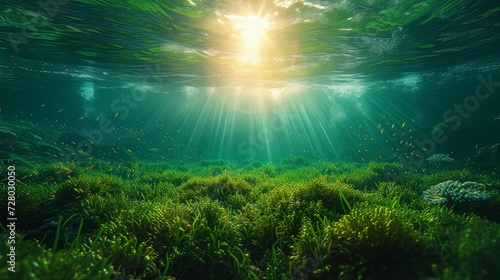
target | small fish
[
  {"x": 392, "y": 126},
  {"x": 129, "y": 150},
  {"x": 90, "y": 167},
  {"x": 43, "y": 105},
  {"x": 96, "y": 119},
  {"x": 116, "y": 115},
  {"x": 362, "y": 159},
  {"x": 81, "y": 118},
  {"x": 382, "y": 131},
  {"x": 403, "y": 125},
  {"x": 60, "y": 110},
  {"x": 10, "y": 145}
]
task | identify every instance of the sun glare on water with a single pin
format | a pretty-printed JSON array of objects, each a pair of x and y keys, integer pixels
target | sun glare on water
[
  {"x": 253, "y": 31},
  {"x": 248, "y": 35}
]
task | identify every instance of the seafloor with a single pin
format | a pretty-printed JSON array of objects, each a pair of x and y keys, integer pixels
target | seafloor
[{"x": 111, "y": 215}]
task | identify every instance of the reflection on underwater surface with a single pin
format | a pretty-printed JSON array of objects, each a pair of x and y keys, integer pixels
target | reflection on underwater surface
[{"x": 351, "y": 139}]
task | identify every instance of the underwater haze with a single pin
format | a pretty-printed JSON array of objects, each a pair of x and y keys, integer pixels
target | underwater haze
[{"x": 349, "y": 139}]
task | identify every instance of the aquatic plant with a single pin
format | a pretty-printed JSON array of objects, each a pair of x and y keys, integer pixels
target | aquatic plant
[
  {"x": 129, "y": 257},
  {"x": 214, "y": 162},
  {"x": 252, "y": 179},
  {"x": 218, "y": 188},
  {"x": 171, "y": 176},
  {"x": 34, "y": 208},
  {"x": 336, "y": 197},
  {"x": 236, "y": 201},
  {"x": 278, "y": 215},
  {"x": 272, "y": 216},
  {"x": 313, "y": 250},
  {"x": 53, "y": 173},
  {"x": 34, "y": 262},
  {"x": 471, "y": 251},
  {"x": 367, "y": 178},
  {"x": 454, "y": 191},
  {"x": 393, "y": 191},
  {"x": 269, "y": 169},
  {"x": 294, "y": 161},
  {"x": 377, "y": 242},
  {"x": 210, "y": 243},
  {"x": 303, "y": 223},
  {"x": 98, "y": 210},
  {"x": 75, "y": 189},
  {"x": 195, "y": 235},
  {"x": 72, "y": 262},
  {"x": 420, "y": 182},
  {"x": 151, "y": 192}
]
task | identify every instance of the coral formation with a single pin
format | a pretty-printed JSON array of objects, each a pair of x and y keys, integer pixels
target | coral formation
[
  {"x": 440, "y": 158},
  {"x": 455, "y": 191}
]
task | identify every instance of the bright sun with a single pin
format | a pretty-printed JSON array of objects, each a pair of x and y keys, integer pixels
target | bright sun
[{"x": 253, "y": 30}]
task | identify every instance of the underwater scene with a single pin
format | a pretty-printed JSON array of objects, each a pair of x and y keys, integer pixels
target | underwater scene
[{"x": 250, "y": 139}]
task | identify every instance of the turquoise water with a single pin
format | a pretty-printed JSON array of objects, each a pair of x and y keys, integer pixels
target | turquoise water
[
  {"x": 353, "y": 139},
  {"x": 319, "y": 79}
]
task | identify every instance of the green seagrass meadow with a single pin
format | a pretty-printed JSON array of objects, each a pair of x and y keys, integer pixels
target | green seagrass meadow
[{"x": 213, "y": 219}]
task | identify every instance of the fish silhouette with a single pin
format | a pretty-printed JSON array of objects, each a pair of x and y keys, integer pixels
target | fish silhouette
[{"x": 10, "y": 146}]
